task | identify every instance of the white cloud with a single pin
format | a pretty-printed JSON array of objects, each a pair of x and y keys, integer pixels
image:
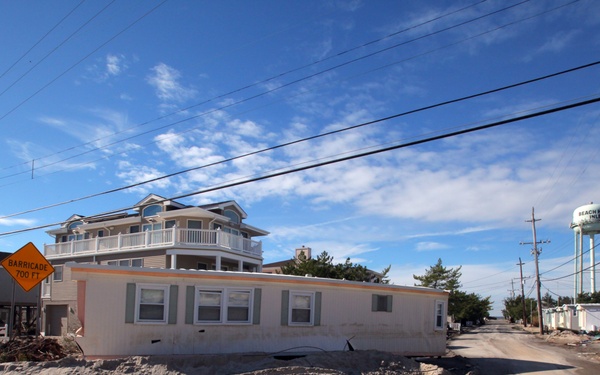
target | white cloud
[
  {"x": 165, "y": 81},
  {"x": 114, "y": 64},
  {"x": 133, "y": 174},
  {"x": 11, "y": 222},
  {"x": 428, "y": 246}
]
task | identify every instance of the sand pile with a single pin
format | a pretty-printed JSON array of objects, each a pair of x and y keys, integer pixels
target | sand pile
[{"x": 355, "y": 362}]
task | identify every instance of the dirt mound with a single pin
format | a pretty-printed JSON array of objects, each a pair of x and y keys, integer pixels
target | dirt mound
[
  {"x": 355, "y": 362},
  {"x": 566, "y": 337}
]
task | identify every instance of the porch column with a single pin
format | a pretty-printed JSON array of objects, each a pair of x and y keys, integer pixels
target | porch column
[
  {"x": 241, "y": 265},
  {"x": 218, "y": 263},
  {"x": 173, "y": 261}
]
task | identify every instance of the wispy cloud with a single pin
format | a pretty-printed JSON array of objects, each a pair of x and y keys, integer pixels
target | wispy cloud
[
  {"x": 167, "y": 85},
  {"x": 429, "y": 246}
]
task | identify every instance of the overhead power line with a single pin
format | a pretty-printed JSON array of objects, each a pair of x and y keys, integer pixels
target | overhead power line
[
  {"x": 421, "y": 109},
  {"x": 81, "y": 60},
  {"x": 41, "y": 39},
  {"x": 56, "y": 48},
  {"x": 350, "y": 157},
  {"x": 261, "y": 94}
]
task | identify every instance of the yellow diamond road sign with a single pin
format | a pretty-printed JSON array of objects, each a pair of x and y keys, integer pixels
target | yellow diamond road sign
[{"x": 28, "y": 266}]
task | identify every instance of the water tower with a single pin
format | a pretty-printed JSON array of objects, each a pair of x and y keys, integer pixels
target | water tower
[{"x": 586, "y": 222}]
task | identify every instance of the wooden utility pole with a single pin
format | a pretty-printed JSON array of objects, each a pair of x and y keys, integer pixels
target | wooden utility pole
[
  {"x": 536, "y": 253},
  {"x": 520, "y": 264}
]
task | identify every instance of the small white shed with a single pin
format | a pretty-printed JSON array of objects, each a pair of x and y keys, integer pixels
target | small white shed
[
  {"x": 567, "y": 317},
  {"x": 144, "y": 311},
  {"x": 589, "y": 317}
]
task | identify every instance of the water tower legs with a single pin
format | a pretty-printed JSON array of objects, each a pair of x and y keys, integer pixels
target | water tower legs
[
  {"x": 592, "y": 264},
  {"x": 575, "y": 266}
]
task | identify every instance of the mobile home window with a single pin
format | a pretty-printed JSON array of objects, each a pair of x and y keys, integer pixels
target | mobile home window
[
  {"x": 208, "y": 306},
  {"x": 238, "y": 306},
  {"x": 381, "y": 303},
  {"x": 152, "y": 303},
  {"x": 301, "y": 308},
  {"x": 439, "y": 315},
  {"x": 223, "y": 306}
]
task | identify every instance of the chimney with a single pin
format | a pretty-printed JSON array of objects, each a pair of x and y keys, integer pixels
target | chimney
[{"x": 305, "y": 250}]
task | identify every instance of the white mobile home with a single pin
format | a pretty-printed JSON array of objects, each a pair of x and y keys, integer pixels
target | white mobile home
[{"x": 148, "y": 311}]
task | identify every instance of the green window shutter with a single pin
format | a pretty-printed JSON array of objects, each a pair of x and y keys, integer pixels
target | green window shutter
[
  {"x": 317, "y": 321},
  {"x": 189, "y": 304},
  {"x": 256, "y": 306},
  {"x": 389, "y": 303},
  {"x": 130, "y": 303},
  {"x": 173, "y": 294},
  {"x": 374, "y": 302},
  {"x": 285, "y": 305}
]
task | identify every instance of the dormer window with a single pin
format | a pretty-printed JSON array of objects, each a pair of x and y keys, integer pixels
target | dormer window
[
  {"x": 75, "y": 224},
  {"x": 151, "y": 210},
  {"x": 233, "y": 216}
]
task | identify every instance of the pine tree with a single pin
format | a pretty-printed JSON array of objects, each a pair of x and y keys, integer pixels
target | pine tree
[{"x": 440, "y": 277}]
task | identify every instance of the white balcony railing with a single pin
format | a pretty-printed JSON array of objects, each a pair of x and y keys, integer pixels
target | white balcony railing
[{"x": 199, "y": 238}]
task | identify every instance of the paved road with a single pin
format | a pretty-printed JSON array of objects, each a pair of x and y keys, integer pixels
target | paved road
[{"x": 499, "y": 349}]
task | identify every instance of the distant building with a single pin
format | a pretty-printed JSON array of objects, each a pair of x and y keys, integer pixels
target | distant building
[
  {"x": 574, "y": 317},
  {"x": 275, "y": 267}
]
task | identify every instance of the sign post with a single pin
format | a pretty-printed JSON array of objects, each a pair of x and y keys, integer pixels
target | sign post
[{"x": 28, "y": 267}]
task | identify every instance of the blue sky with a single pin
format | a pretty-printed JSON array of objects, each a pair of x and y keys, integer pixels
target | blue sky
[{"x": 97, "y": 95}]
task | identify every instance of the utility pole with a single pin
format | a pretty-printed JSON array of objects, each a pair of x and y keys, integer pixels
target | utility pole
[
  {"x": 520, "y": 264},
  {"x": 536, "y": 253}
]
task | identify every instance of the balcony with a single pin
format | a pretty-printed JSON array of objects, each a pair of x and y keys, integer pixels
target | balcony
[{"x": 165, "y": 238}]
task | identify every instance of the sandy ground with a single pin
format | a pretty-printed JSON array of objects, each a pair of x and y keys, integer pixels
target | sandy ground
[{"x": 355, "y": 362}]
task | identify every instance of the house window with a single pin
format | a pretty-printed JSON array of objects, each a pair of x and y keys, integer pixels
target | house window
[
  {"x": 151, "y": 303},
  {"x": 194, "y": 224},
  {"x": 439, "y": 315},
  {"x": 151, "y": 227},
  {"x": 202, "y": 266},
  {"x": 381, "y": 303},
  {"x": 169, "y": 224},
  {"x": 232, "y": 215},
  {"x": 126, "y": 262},
  {"x": 151, "y": 210},
  {"x": 100, "y": 233},
  {"x": 58, "y": 273},
  {"x": 223, "y": 306},
  {"x": 134, "y": 229},
  {"x": 75, "y": 224},
  {"x": 301, "y": 308}
]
